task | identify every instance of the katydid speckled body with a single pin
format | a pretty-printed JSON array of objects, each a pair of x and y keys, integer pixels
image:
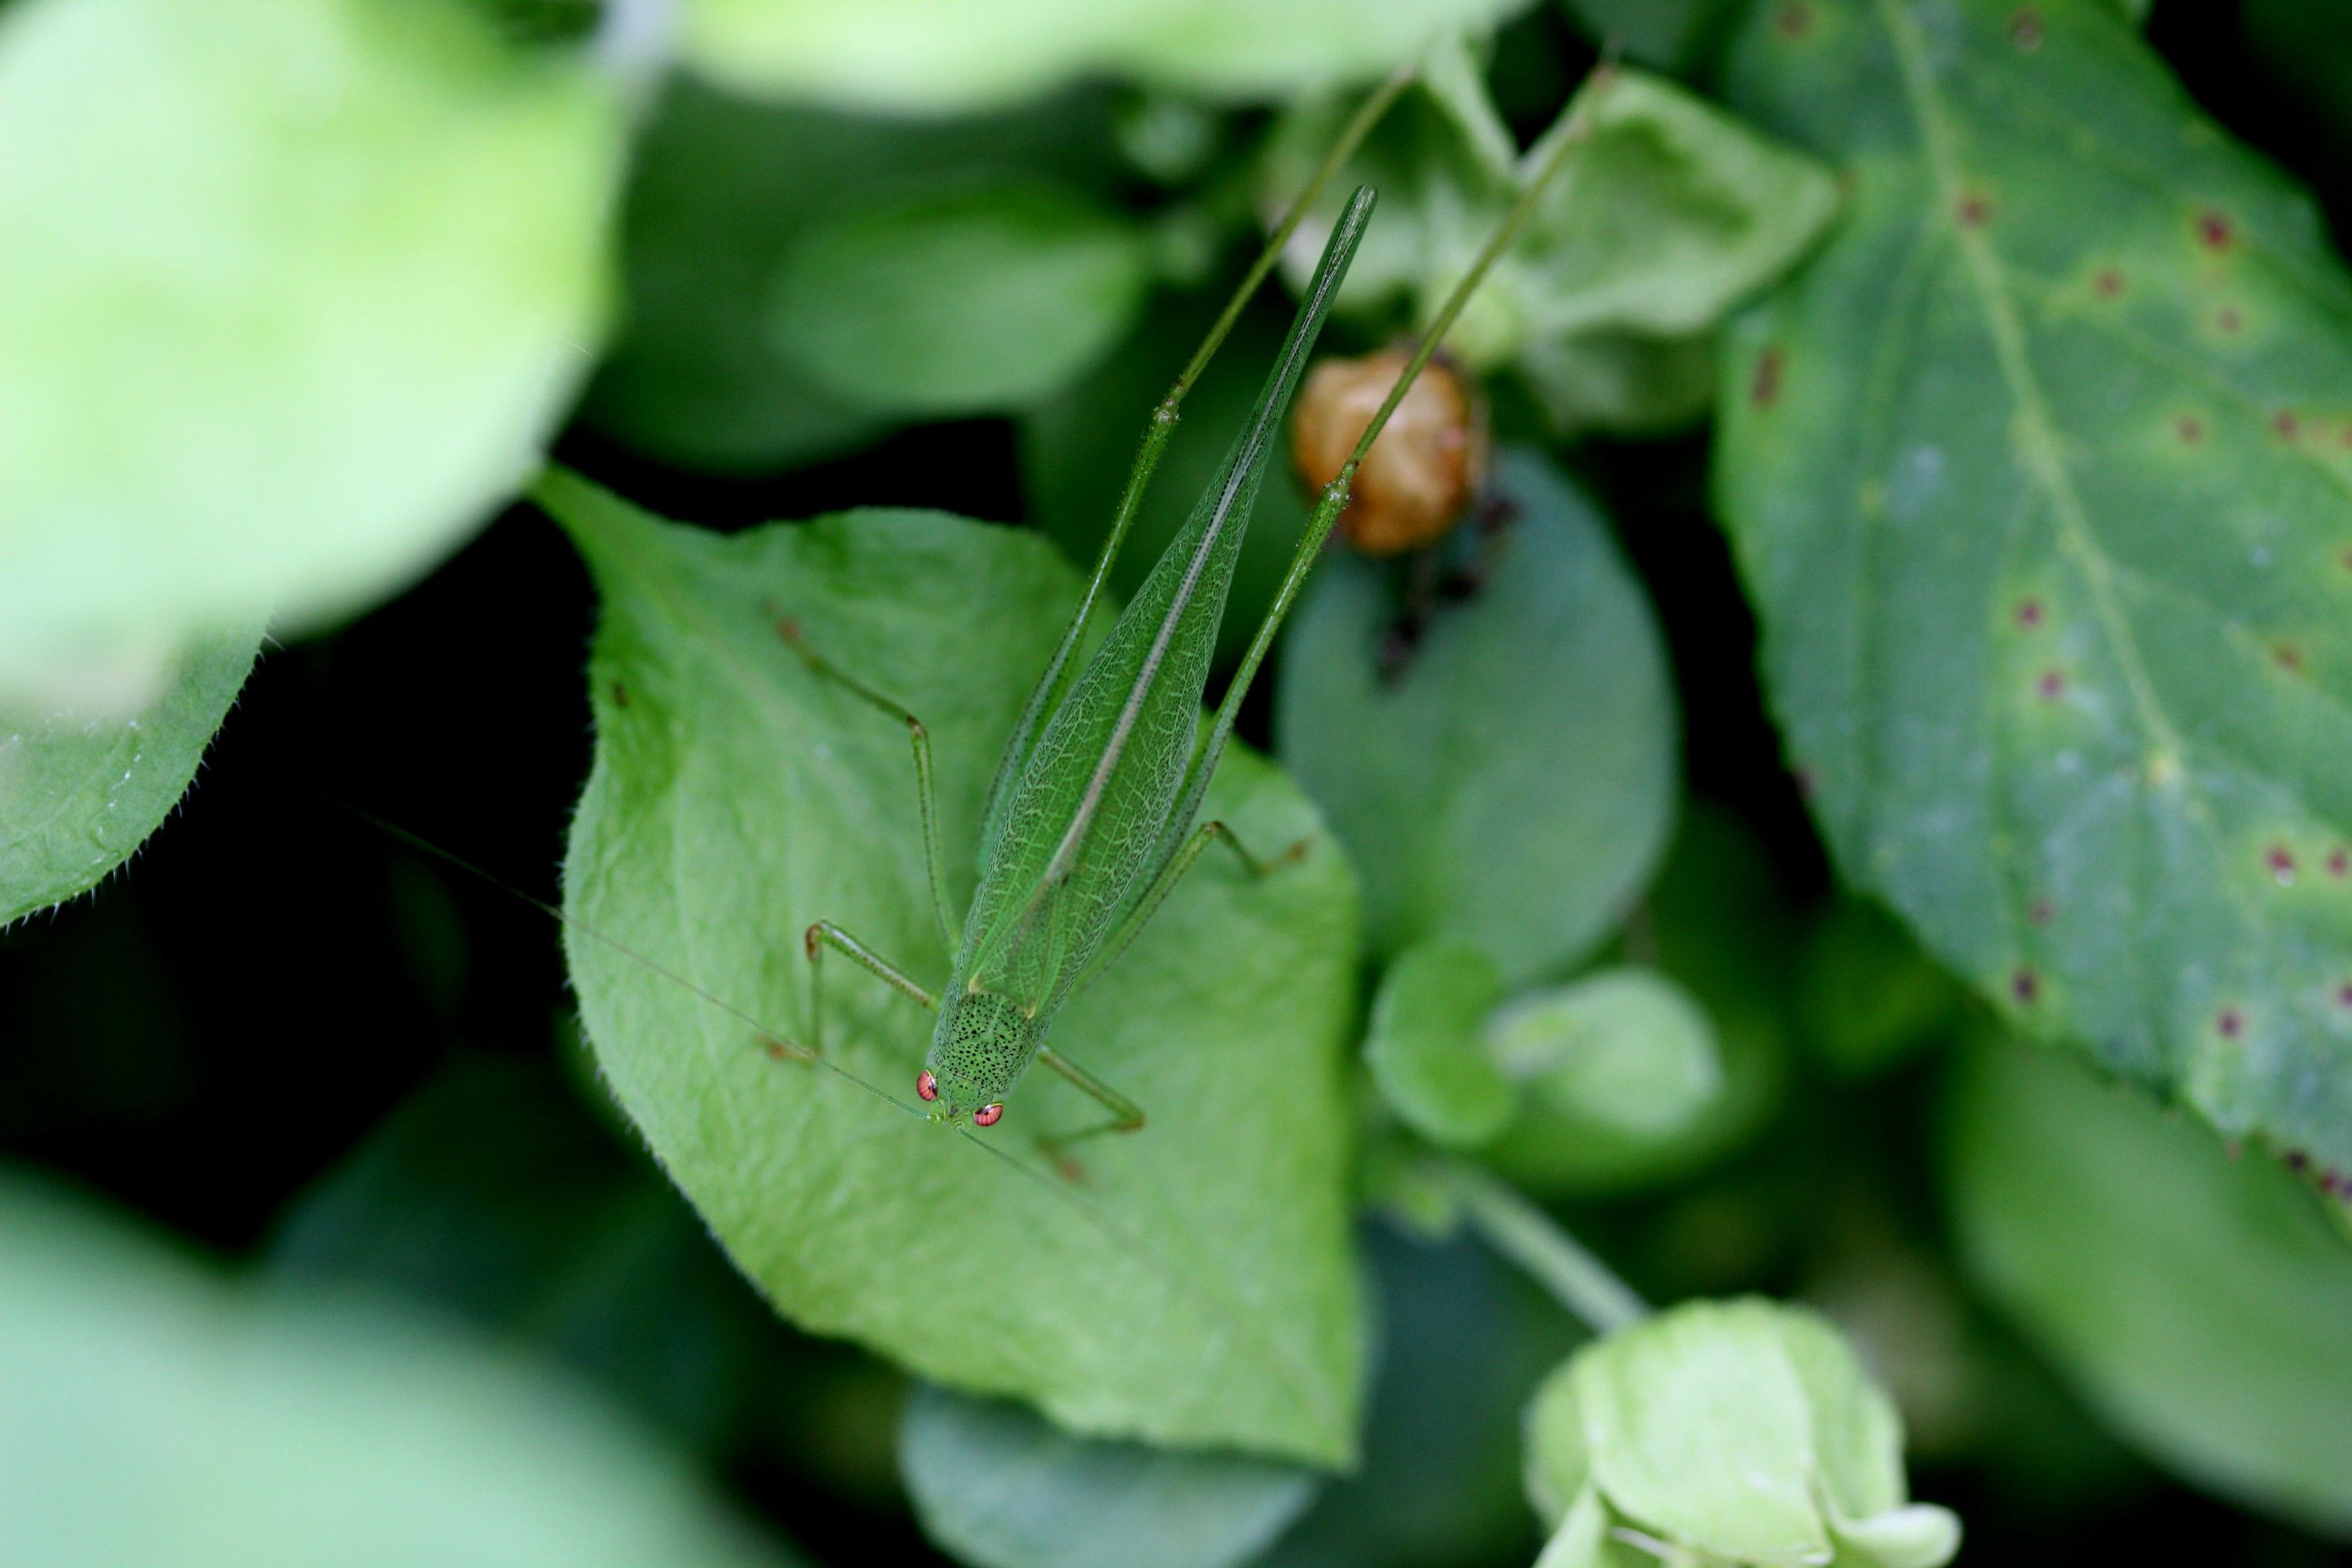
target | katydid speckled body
[{"x": 1093, "y": 817}]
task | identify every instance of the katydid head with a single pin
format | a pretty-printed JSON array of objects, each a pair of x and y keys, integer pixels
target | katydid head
[{"x": 982, "y": 1043}]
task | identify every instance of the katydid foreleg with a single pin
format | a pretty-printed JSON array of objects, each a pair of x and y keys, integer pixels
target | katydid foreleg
[{"x": 825, "y": 934}]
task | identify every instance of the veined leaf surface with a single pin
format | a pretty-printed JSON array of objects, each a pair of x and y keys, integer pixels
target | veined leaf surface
[
  {"x": 2042, "y": 479},
  {"x": 1196, "y": 1285}
]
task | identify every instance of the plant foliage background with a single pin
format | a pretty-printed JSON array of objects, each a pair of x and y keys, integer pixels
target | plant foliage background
[{"x": 1854, "y": 824}]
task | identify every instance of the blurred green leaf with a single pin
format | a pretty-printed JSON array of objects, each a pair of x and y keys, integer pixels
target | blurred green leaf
[
  {"x": 494, "y": 1193},
  {"x": 1867, "y": 996},
  {"x": 294, "y": 291},
  {"x": 1670, "y": 213},
  {"x": 1743, "y": 1430},
  {"x": 1424, "y": 1049},
  {"x": 981, "y": 297},
  {"x": 2038, "y": 479},
  {"x": 152, "y": 1414},
  {"x": 934, "y": 56},
  {"x": 79, "y": 790},
  {"x": 1670, "y": 34},
  {"x": 1197, "y": 1287},
  {"x": 999, "y": 1487},
  {"x": 1513, "y": 785},
  {"x": 2196, "y": 1299},
  {"x": 1463, "y": 1338},
  {"x": 1078, "y": 446},
  {"x": 1716, "y": 921},
  {"x": 1612, "y": 1066},
  {"x": 723, "y": 185},
  {"x": 2305, "y": 47}
]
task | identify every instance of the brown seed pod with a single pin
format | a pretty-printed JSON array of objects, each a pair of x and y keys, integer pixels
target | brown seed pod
[{"x": 1420, "y": 475}]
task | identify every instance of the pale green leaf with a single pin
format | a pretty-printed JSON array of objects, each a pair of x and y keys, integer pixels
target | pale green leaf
[
  {"x": 1195, "y": 1286},
  {"x": 1627, "y": 384},
  {"x": 2038, "y": 479},
  {"x": 1512, "y": 786},
  {"x": 985, "y": 296},
  {"x": 294, "y": 291},
  {"x": 999, "y": 1487},
  {"x": 931, "y": 55},
  {"x": 152, "y": 1412},
  {"x": 2197, "y": 1300},
  {"x": 1744, "y": 1431},
  {"x": 1670, "y": 213},
  {"x": 79, "y": 790},
  {"x": 1423, "y": 1046},
  {"x": 1624, "y": 1057}
]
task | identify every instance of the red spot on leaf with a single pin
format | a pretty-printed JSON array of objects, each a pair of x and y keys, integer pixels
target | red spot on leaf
[
  {"x": 1764, "y": 390},
  {"x": 2279, "y": 861},
  {"x": 2026, "y": 986},
  {"x": 2214, "y": 231},
  {"x": 2025, "y": 28},
  {"x": 2344, "y": 996},
  {"x": 2230, "y": 1023},
  {"x": 2050, "y": 685},
  {"x": 2339, "y": 862},
  {"x": 1793, "y": 20},
  {"x": 2287, "y": 656},
  {"x": 2190, "y": 428},
  {"x": 1973, "y": 210},
  {"x": 620, "y": 695},
  {"x": 2028, "y": 614},
  {"x": 2286, "y": 424},
  {"x": 2039, "y": 911},
  {"x": 2228, "y": 319},
  {"x": 2108, "y": 283}
]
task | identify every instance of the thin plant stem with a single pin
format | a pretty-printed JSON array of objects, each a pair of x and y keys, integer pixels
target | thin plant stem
[{"x": 1532, "y": 1239}]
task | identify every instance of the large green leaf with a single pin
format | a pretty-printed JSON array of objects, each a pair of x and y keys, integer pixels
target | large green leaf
[
  {"x": 1001, "y": 1488},
  {"x": 152, "y": 1414},
  {"x": 294, "y": 289},
  {"x": 79, "y": 791},
  {"x": 2197, "y": 1300},
  {"x": 971, "y": 297},
  {"x": 1513, "y": 785},
  {"x": 929, "y": 55},
  {"x": 721, "y": 186},
  {"x": 2038, "y": 477},
  {"x": 1196, "y": 1285}
]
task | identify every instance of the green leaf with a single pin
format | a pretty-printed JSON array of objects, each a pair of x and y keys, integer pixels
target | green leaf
[
  {"x": 1078, "y": 446},
  {"x": 493, "y": 1193},
  {"x": 1423, "y": 1046},
  {"x": 1741, "y": 1430},
  {"x": 2195, "y": 1299},
  {"x": 1670, "y": 34},
  {"x": 1720, "y": 927},
  {"x": 1867, "y": 996},
  {"x": 977, "y": 297},
  {"x": 1620, "y": 1062},
  {"x": 1670, "y": 213},
  {"x": 1627, "y": 384},
  {"x": 1196, "y": 1287},
  {"x": 79, "y": 791},
  {"x": 999, "y": 1487},
  {"x": 1512, "y": 787},
  {"x": 721, "y": 186},
  {"x": 152, "y": 1412},
  {"x": 2037, "y": 480},
  {"x": 930, "y": 55},
  {"x": 295, "y": 288}
]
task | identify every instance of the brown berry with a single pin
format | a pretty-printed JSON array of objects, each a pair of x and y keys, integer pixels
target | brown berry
[{"x": 1421, "y": 473}]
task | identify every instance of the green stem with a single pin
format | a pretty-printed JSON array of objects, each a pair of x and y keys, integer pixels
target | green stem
[{"x": 1553, "y": 1259}]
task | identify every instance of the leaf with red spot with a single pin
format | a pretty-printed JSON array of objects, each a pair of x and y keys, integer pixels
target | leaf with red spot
[{"x": 2048, "y": 518}]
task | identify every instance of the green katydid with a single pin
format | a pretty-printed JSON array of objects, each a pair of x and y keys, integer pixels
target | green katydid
[{"x": 1093, "y": 817}]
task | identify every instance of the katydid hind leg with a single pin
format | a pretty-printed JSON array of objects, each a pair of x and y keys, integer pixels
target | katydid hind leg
[
  {"x": 1163, "y": 882},
  {"x": 917, "y": 737},
  {"x": 1125, "y": 1114}
]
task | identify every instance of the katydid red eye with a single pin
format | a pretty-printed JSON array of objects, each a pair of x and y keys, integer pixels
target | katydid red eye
[
  {"x": 987, "y": 1115},
  {"x": 926, "y": 1086}
]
